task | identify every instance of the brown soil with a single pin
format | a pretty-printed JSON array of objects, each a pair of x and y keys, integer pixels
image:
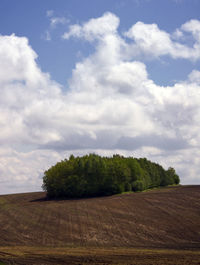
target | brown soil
[
  {"x": 156, "y": 221},
  {"x": 103, "y": 256}
]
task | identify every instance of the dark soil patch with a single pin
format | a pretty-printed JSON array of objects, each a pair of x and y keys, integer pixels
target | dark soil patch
[{"x": 167, "y": 218}]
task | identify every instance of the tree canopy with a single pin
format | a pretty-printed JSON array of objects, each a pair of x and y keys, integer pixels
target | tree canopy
[{"x": 93, "y": 175}]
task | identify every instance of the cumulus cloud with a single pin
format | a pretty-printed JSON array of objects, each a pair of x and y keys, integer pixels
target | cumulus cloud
[
  {"x": 95, "y": 28},
  {"x": 150, "y": 40},
  {"x": 147, "y": 39},
  {"x": 194, "y": 77},
  {"x": 111, "y": 105},
  {"x": 193, "y": 26}
]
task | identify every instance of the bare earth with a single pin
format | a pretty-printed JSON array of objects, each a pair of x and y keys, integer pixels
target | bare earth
[{"x": 156, "y": 227}]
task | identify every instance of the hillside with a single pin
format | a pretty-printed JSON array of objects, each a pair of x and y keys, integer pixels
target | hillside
[
  {"x": 162, "y": 218},
  {"x": 168, "y": 217}
]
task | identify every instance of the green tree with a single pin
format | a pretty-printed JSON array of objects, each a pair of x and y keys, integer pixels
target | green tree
[{"x": 93, "y": 175}]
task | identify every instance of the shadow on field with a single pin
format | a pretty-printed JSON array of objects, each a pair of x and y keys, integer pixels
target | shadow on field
[{"x": 46, "y": 199}]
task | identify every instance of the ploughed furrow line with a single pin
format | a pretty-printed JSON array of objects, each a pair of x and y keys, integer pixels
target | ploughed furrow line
[
  {"x": 117, "y": 234},
  {"x": 15, "y": 223},
  {"x": 95, "y": 223},
  {"x": 54, "y": 224},
  {"x": 38, "y": 228},
  {"x": 103, "y": 224},
  {"x": 97, "y": 219},
  {"x": 78, "y": 217},
  {"x": 76, "y": 240},
  {"x": 167, "y": 217},
  {"x": 64, "y": 230},
  {"x": 69, "y": 240},
  {"x": 53, "y": 229},
  {"x": 127, "y": 219},
  {"x": 50, "y": 230},
  {"x": 89, "y": 225},
  {"x": 85, "y": 222},
  {"x": 185, "y": 222},
  {"x": 149, "y": 228},
  {"x": 131, "y": 217}
]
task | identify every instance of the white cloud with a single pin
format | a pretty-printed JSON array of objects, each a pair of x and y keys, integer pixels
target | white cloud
[
  {"x": 193, "y": 26},
  {"x": 150, "y": 40},
  {"x": 54, "y": 22},
  {"x": 111, "y": 106},
  {"x": 23, "y": 171},
  {"x": 94, "y": 28},
  {"x": 177, "y": 34},
  {"x": 58, "y": 20},
  {"x": 194, "y": 77}
]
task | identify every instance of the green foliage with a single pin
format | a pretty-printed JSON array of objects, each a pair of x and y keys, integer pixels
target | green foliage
[
  {"x": 93, "y": 175},
  {"x": 138, "y": 185}
]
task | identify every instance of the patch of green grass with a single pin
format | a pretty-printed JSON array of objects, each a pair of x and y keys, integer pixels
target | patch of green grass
[
  {"x": 127, "y": 192},
  {"x": 161, "y": 187},
  {"x": 150, "y": 189},
  {"x": 4, "y": 204},
  {"x": 3, "y": 201}
]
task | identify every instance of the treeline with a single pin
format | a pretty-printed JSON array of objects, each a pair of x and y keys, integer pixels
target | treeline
[{"x": 93, "y": 175}]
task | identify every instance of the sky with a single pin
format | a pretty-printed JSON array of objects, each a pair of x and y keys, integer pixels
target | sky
[{"x": 98, "y": 76}]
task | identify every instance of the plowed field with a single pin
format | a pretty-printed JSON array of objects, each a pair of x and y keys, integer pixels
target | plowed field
[{"x": 161, "y": 221}]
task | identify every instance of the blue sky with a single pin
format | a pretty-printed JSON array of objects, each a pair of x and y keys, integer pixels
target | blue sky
[
  {"x": 58, "y": 57},
  {"x": 98, "y": 76}
]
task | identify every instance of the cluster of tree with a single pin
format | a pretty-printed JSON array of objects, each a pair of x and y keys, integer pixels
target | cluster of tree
[{"x": 93, "y": 175}]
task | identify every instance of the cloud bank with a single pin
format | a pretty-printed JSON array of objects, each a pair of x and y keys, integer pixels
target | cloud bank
[{"x": 111, "y": 104}]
